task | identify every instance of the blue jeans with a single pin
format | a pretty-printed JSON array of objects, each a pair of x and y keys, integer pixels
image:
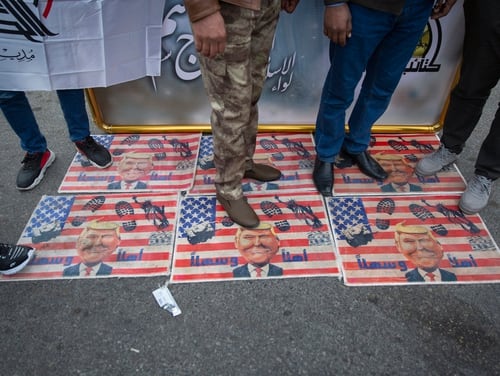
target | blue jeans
[
  {"x": 381, "y": 44},
  {"x": 19, "y": 114}
]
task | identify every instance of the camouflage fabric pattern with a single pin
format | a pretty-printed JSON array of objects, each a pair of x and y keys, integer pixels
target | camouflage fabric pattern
[{"x": 234, "y": 82}]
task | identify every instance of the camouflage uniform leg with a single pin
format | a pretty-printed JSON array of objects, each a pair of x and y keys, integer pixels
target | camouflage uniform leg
[{"x": 234, "y": 82}]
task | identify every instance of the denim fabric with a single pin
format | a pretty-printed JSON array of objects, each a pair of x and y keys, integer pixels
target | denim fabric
[
  {"x": 381, "y": 44},
  {"x": 18, "y": 112},
  {"x": 73, "y": 107}
]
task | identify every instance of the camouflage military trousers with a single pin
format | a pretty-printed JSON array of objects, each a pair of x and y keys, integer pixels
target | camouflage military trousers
[{"x": 234, "y": 81}]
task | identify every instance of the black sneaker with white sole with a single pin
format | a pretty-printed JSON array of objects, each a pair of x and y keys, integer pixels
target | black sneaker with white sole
[
  {"x": 94, "y": 152},
  {"x": 33, "y": 169},
  {"x": 13, "y": 257}
]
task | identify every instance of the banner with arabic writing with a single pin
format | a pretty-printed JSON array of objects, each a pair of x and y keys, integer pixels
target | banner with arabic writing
[
  {"x": 47, "y": 44},
  {"x": 297, "y": 68},
  {"x": 411, "y": 239},
  {"x": 293, "y": 240},
  {"x": 99, "y": 236}
]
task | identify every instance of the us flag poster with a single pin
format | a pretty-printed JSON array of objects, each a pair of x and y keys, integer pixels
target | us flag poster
[
  {"x": 93, "y": 236},
  {"x": 398, "y": 156},
  {"x": 292, "y": 154},
  {"x": 411, "y": 240},
  {"x": 293, "y": 240},
  {"x": 141, "y": 162}
]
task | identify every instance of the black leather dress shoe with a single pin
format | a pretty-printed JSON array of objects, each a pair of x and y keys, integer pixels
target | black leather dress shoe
[
  {"x": 368, "y": 165},
  {"x": 323, "y": 177}
]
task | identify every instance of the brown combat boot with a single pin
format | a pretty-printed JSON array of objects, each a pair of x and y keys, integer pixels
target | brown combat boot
[
  {"x": 262, "y": 172},
  {"x": 239, "y": 211}
]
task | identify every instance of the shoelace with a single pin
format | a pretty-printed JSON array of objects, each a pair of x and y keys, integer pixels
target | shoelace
[
  {"x": 480, "y": 184},
  {"x": 89, "y": 143},
  {"x": 444, "y": 154},
  {"x": 31, "y": 161}
]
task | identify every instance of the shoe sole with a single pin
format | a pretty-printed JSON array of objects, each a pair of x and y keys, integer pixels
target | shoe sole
[
  {"x": 98, "y": 166},
  {"x": 94, "y": 203},
  {"x": 423, "y": 214},
  {"x": 420, "y": 212},
  {"x": 156, "y": 144},
  {"x": 268, "y": 145},
  {"x": 397, "y": 145},
  {"x": 41, "y": 174},
  {"x": 418, "y": 171},
  {"x": 467, "y": 211},
  {"x": 387, "y": 206},
  {"x": 130, "y": 140},
  {"x": 21, "y": 266},
  {"x": 271, "y": 210},
  {"x": 123, "y": 208}
]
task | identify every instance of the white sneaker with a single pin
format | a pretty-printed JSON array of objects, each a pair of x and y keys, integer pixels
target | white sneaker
[
  {"x": 476, "y": 195},
  {"x": 435, "y": 162}
]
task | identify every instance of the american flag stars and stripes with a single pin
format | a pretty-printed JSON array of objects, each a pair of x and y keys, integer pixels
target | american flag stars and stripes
[
  {"x": 401, "y": 154},
  {"x": 173, "y": 159},
  {"x": 364, "y": 230},
  {"x": 205, "y": 244},
  {"x": 146, "y": 223},
  {"x": 177, "y": 219},
  {"x": 292, "y": 154}
]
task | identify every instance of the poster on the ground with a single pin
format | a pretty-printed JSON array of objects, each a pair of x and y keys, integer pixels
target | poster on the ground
[
  {"x": 411, "y": 239},
  {"x": 141, "y": 163},
  {"x": 100, "y": 236},
  {"x": 292, "y": 240}
]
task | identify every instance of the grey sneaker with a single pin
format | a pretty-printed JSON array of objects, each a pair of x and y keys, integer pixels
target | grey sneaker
[
  {"x": 434, "y": 162},
  {"x": 476, "y": 195}
]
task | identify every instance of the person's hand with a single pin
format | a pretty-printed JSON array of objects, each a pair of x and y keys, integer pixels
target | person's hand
[
  {"x": 210, "y": 35},
  {"x": 337, "y": 25},
  {"x": 442, "y": 8},
  {"x": 289, "y": 5}
]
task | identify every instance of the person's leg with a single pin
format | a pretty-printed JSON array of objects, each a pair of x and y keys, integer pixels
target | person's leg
[
  {"x": 74, "y": 111},
  {"x": 384, "y": 70},
  {"x": 229, "y": 81},
  {"x": 479, "y": 73},
  {"x": 260, "y": 49},
  {"x": 38, "y": 158},
  {"x": 347, "y": 65},
  {"x": 488, "y": 160},
  {"x": 19, "y": 114},
  {"x": 230, "y": 87},
  {"x": 487, "y": 170}
]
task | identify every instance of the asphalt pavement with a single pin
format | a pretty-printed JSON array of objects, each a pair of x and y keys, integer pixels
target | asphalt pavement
[{"x": 298, "y": 326}]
